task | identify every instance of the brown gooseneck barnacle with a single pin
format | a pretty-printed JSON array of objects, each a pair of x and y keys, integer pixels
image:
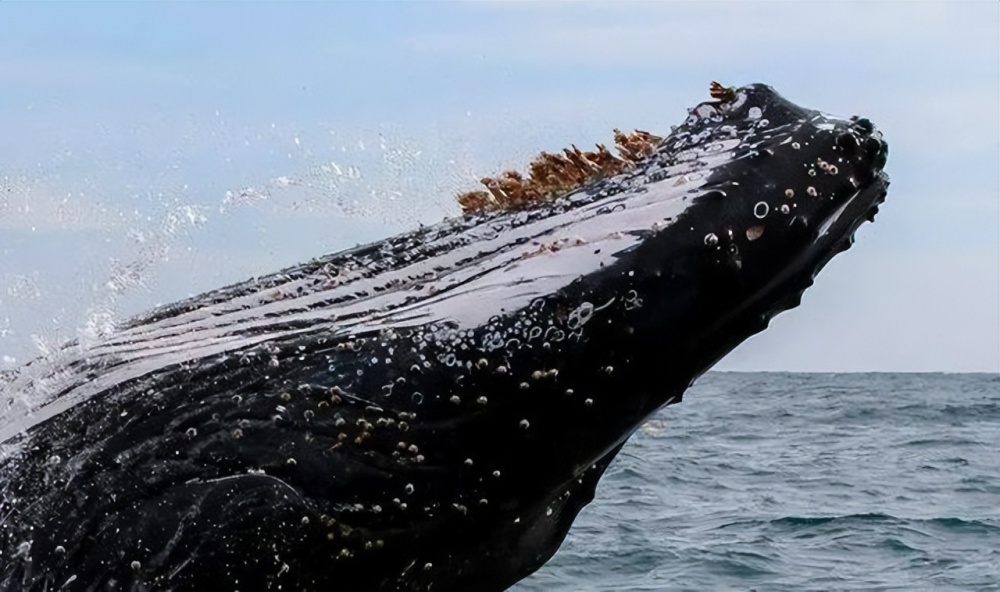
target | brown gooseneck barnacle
[
  {"x": 721, "y": 93},
  {"x": 551, "y": 175}
]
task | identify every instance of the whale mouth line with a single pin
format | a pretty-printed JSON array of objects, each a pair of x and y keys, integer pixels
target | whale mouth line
[
  {"x": 836, "y": 229},
  {"x": 835, "y": 215}
]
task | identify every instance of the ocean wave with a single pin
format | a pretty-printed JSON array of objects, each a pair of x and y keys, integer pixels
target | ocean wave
[{"x": 794, "y": 523}]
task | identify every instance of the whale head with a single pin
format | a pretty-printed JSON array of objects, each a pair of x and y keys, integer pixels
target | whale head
[
  {"x": 791, "y": 189},
  {"x": 434, "y": 409}
]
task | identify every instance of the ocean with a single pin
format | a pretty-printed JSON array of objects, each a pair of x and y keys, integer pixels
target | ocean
[{"x": 776, "y": 481}]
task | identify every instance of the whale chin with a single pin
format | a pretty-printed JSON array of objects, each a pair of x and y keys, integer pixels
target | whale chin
[{"x": 430, "y": 411}]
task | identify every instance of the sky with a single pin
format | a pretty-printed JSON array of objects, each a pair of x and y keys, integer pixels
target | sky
[{"x": 151, "y": 151}]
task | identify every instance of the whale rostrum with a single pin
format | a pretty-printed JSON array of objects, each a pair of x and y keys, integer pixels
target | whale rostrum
[{"x": 430, "y": 411}]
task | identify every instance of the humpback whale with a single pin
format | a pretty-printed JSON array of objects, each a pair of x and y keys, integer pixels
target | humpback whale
[{"x": 431, "y": 411}]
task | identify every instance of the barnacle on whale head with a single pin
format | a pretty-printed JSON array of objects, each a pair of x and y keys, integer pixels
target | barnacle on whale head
[{"x": 552, "y": 175}]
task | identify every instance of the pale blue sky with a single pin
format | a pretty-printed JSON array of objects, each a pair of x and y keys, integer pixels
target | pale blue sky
[{"x": 122, "y": 127}]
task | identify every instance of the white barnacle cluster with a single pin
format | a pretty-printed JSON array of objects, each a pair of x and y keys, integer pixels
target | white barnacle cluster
[
  {"x": 785, "y": 208},
  {"x": 827, "y": 167},
  {"x": 581, "y": 315}
]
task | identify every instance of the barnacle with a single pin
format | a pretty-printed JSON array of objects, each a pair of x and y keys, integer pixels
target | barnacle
[
  {"x": 551, "y": 175},
  {"x": 721, "y": 93}
]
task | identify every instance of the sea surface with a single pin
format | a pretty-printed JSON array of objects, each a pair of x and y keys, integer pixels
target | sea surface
[{"x": 773, "y": 481}]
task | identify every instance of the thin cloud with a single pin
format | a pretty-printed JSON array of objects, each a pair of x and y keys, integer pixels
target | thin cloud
[{"x": 704, "y": 35}]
